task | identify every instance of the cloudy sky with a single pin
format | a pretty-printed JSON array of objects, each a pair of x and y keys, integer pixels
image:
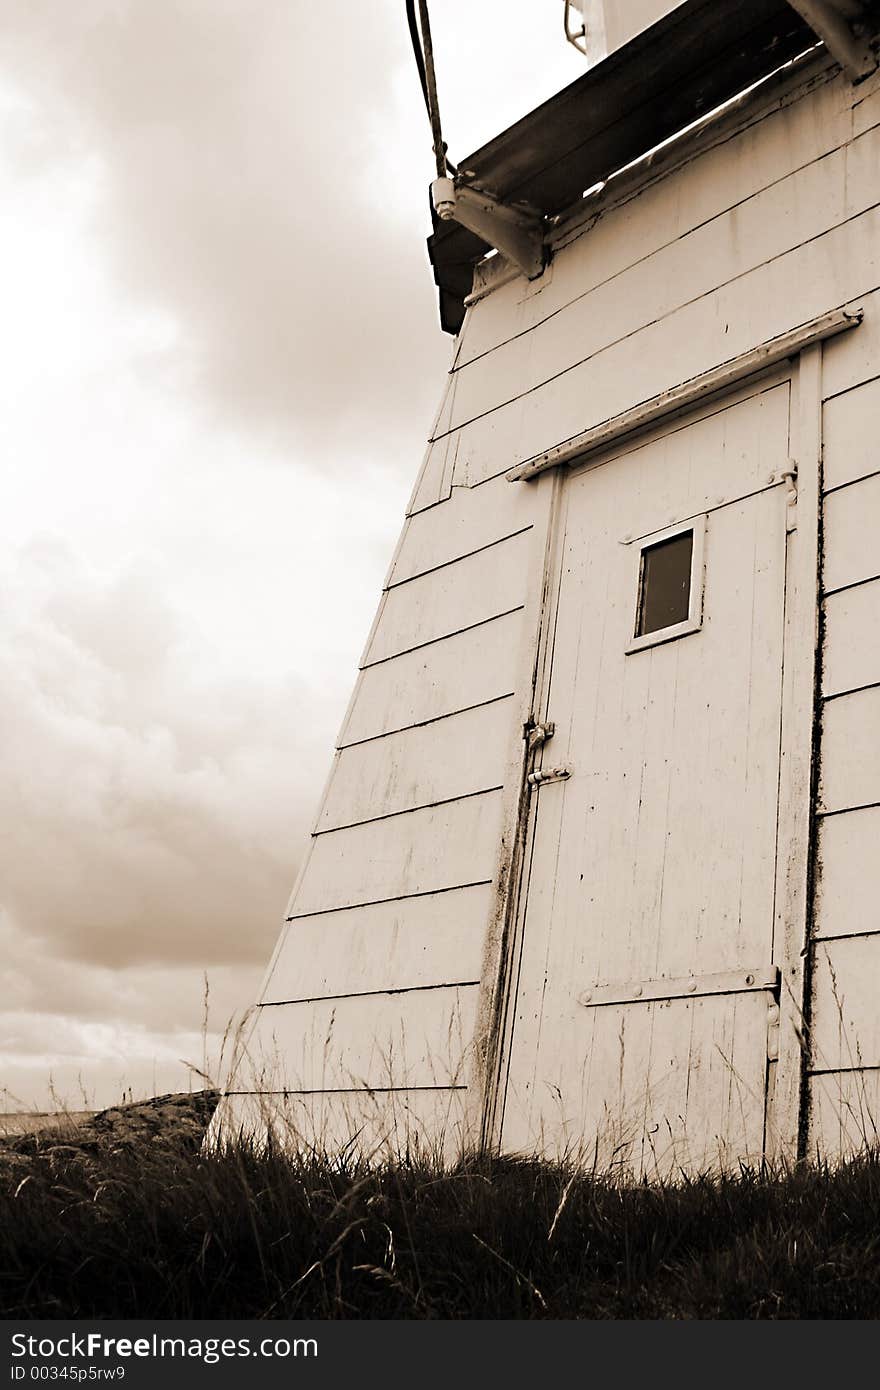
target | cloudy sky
[{"x": 220, "y": 359}]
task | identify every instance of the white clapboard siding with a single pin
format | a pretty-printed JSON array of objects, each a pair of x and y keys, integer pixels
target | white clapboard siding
[
  {"x": 417, "y": 1038},
  {"x": 432, "y": 940},
  {"x": 844, "y": 1111},
  {"x": 422, "y": 852},
  {"x": 848, "y": 888},
  {"x": 845, "y": 1024},
  {"x": 829, "y": 271},
  {"x": 471, "y": 591},
  {"x": 434, "y": 480},
  {"x": 852, "y": 638},
  {"x": 713, "y": 182},
  {"x": 376, "y": 1124},
  {"x": 851, "y": 550},
  {"x": 850, "y": 763},
  {"x": 471, "y": 519},
  {"x": 791, "y": 212},
  {"x": 853, "y": 358},
  {"x": 851, "y": 437},
  {"x": 465, "y": 670},
  {"x": 452, "y": 757},
  {"x": 865, "y": 100}
]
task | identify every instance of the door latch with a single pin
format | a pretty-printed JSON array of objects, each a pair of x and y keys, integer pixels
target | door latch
[
  {"x": 789, "y": 476},
  {"x": 549, "y": 774},
  {"x": 538, "y": 734}
]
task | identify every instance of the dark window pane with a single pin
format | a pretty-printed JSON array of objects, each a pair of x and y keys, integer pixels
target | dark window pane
[{"x": 666, "y": 583}]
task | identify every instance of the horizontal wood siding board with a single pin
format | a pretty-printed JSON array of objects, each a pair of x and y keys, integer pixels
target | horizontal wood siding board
[
  {"x": 851, "y": 434},
  {"x": 845, "y": 1023},
  {"x": 850, "y": 756},
  {"x": 848, "y": 879},
  {"x": 851, "y": 553},
  {"x": 416, "y": 1038},
  {"x": 465, "y": 523},
  {"x": 453, "y": 757},
  {"x": 852, "y": 359},
  {"x": 832, "y": 272},
  {"x": 426, "y": 723},
  {"x": 791, "y": 213},
  {"x": 373, "y": 1124},
  {"x": 474, "y": 590},
  {"x": 436, "y": 848},
  {"x": 843, "y": 1110},
  {"x": 851, "y": 657},
  {"x": 435, "y": 681},
  {"x": 407, "y": 944}
]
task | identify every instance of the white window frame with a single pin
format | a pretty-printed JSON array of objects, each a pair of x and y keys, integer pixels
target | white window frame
[{"x": 694, "y": 620}]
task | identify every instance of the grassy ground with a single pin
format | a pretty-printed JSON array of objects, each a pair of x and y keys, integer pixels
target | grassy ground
[{"x": 137, "y": 1222}]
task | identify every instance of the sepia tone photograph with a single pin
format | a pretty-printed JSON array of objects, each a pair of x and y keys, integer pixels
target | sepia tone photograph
[{"x": 440, "y": 851}]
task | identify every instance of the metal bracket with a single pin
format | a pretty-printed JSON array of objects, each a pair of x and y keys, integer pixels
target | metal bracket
[
  {"x": 518, "y": 233},
  {"x": 789, "y": 477},
  {"x": 576, "y": 37},
  {"x": 538, "y": 734},
  {"x": 687, "y": 987},
  {"x": 839, "y": 24},
  {"x": 548, "y": 774}
]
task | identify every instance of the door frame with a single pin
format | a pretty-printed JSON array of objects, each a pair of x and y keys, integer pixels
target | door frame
[{"x": 795, "y": 847}]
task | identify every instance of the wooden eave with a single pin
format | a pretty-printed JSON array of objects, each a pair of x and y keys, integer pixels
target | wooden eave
[{"x": 692, "y": 60}]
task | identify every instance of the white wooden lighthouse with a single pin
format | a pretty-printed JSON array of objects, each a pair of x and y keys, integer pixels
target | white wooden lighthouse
[{"x": 597, "y": 867}]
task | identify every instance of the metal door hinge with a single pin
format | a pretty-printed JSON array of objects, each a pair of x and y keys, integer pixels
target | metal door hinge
[
  {"x": 537, "y": 734},
  {"x": 548, "y": 774}
]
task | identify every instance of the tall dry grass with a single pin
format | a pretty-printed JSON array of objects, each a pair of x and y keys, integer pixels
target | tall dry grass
[{"x": 161, "y": 1227}]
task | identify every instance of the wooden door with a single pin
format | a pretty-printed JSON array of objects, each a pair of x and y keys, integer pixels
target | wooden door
[{"x": 644, "y": 997}]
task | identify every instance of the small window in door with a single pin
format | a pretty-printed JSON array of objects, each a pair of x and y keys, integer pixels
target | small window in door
[{"x": 669, "y": 585}]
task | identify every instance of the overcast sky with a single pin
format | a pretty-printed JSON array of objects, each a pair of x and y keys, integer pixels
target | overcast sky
[{"x": 220, "y": 359}]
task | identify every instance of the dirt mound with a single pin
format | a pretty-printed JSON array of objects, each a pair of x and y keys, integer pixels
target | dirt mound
[{"x": 179, "y": 1119}]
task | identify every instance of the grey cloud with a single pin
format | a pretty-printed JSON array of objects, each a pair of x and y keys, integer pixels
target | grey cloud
[
  {"x": 248, "y": 157},
  {"x": 152, "y": 805}
]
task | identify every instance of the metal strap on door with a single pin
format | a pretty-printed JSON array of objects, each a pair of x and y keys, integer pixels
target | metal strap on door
[
  {"x": 686, "y": 987},
  {"x": 762, "y": 978}
]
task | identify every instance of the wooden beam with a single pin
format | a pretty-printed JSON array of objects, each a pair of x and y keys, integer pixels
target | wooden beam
[
  {"x": 833, "y": 22},
  {"x": 688, "y": 393}
]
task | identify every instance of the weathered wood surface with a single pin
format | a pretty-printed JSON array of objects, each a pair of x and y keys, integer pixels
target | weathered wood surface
[
  {"x": 851, "y": 551},
  {"x": 431, "y": 849},
  {"x": 845, "y": 1025},
  {"x": 848, "y": 890},
  {"x": 657, "y": 857},
  {"x": 850, "y": 769},
  {"x": 418, "y": 1038},
  {"x": 789, "y": 214},
  {"x": 614, "y": 231},
  {"x": 853, "y": 358},
  {"x": 651, "y": 1088},
  {"x": 797, "y": 740},
  {"x": 825, "y": 273},
  {"x": 375, "y": 1124},
  {"x": 465, "y": 523},
  {"x": 453, "y": 757},
  {"x": 474, "y": 590},
  {"x": 844, "y": 1110},
  {"x": 851, "y": 656},
  {"x": 435, "y": 939},
  {"x": 465, "y": 670},
  {"x": 850, "y": 429}
]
